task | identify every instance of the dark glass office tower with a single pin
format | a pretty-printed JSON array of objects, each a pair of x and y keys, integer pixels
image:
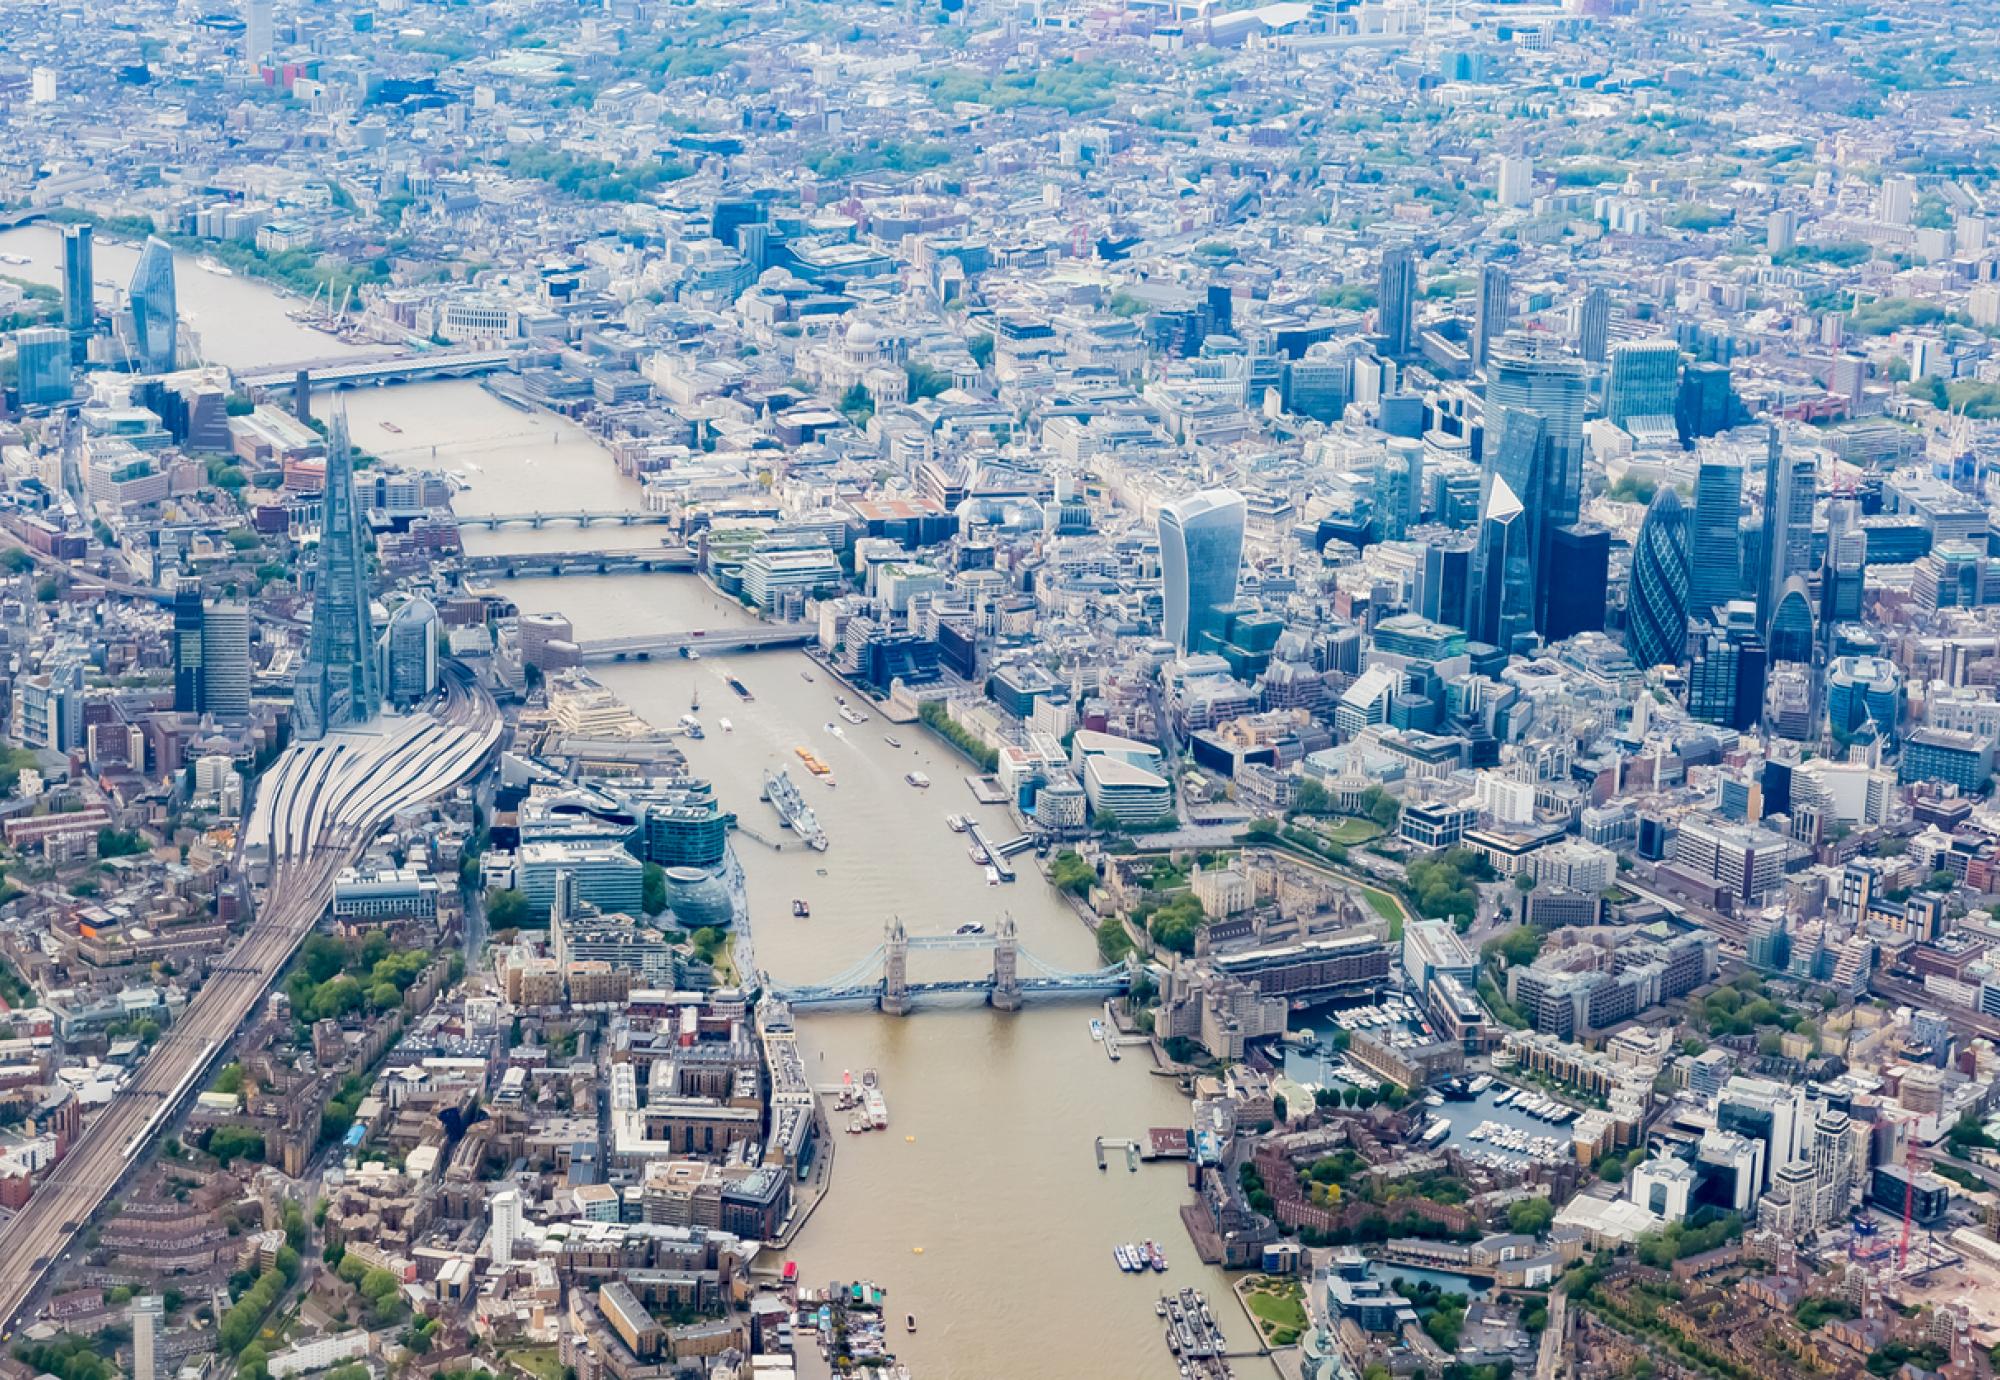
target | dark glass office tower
[
  {"x": 79, "y": 309},
  {"x": 1717, "y": 543},
  {"x": 336, "y": 686},
  {"x": 1445, "y": 583},
  {"x": 1727, "y": 672},
  {"x": 1593, "y": 335},
  {"x": 1491, "y": 311},
  {"x": 1705, "y": 402},
  {"x": 1580, "y": 565},
  {"x": 1656, "y": 607},
  {"x": 187, "y": 649},
  {"x": 1396, "y": 299}
]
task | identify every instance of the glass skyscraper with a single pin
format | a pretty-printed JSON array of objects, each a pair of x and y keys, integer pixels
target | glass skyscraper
[
  {"x": 44, "y": 374},
  {"x": 1789, "y": 487},
  {"x": 225, "y": 661},
  {"x": 1645, "y": 378},
  {"x": 1580, "y": 562},
  {"x": 1594, "y": 326},
  {"x": 1201, "y": 553},
  {"x": 1491, "y": 311},
  {"x": 79, "y": 308},
  {"x": 1504, "y": 575},
  {"x": 1717, "y": 543},
  {"x": 1705, "y": 403},
  {"x": 1537, "y": 376},
  {"x": 187, "y": 649},
  {"x": 1656, "y": 607},
  {"x": 1396, "y": 299},
  {"x": 1728, "y": 669},
  {"x": 409, "y": 653},
  {"x": 1444, "y": 584},
  {"x": 155, "y": 315},
  {"x": 1791, "y": 632},
  {"x": 1843, "y": 573},
  {"x": 1399, "y": 488},
  {"x": 336, "y": 687}
]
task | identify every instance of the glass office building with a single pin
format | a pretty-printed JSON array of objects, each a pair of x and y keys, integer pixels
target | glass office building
[
  {"x": 1201, "y": 553},
  {"x": 1656, "y": 608},
  {"x": 44, "y": 365},
  {"x": 1645, "y": 378},
  {"x": 1862, "y": 690},
  {"x": 1717, "y": 543},
  {"x": 409, "y": 654},
  {"x": 79, "y": 308},
  {"x": 155, "y": 315},
  {"x": 1503, "y": 604}
]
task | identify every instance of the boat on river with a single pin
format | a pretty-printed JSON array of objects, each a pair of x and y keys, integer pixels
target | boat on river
[{"x": 793, "y": 810}]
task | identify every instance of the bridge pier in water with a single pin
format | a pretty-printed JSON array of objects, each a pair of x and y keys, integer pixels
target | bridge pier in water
[
  {"x": 1006, "y": 963},
  {"x": 896, "y": 971}
]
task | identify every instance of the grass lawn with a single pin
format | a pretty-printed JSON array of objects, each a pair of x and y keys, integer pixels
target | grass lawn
[
  {"x": 1388, "y": 908},
  {"x": 1353, "y": 830},
  {"x": 1277, "y": 1308},
  {"x": 539, "y": 1360}
]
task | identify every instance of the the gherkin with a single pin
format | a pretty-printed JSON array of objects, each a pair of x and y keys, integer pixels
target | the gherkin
[{"x": 1656, "y": 609}]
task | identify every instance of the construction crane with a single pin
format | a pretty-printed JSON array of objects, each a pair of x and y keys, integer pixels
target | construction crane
[
  {"x": 1916, "y": 1160},
  {"x": 1913, "y": 1159}
]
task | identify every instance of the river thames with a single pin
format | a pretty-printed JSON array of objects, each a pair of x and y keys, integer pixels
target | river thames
[{"x": 981, "y": 1209}]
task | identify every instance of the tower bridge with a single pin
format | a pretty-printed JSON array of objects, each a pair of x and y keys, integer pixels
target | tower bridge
[
  {"x": 882, "y": 979},
  {"x": 581, "y": 517}
]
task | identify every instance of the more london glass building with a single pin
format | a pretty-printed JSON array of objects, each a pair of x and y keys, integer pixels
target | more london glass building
[{"x": 1201, "y": 552}]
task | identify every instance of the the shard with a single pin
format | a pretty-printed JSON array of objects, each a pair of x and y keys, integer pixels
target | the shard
[{"x": 336, "y": 686}]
